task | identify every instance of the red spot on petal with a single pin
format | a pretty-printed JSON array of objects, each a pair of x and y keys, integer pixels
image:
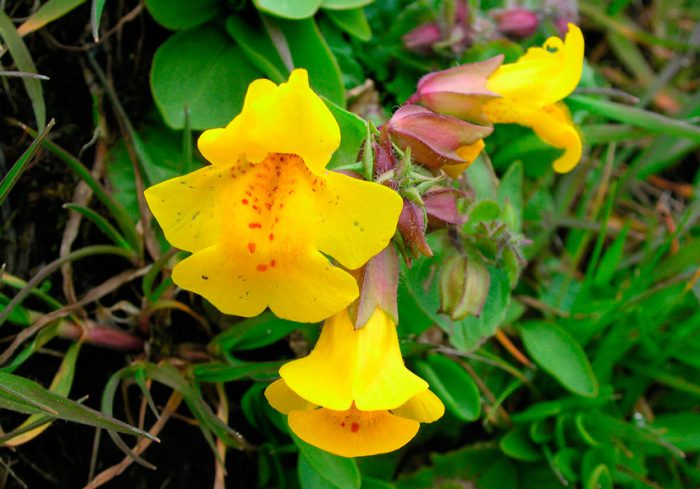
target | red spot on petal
[
  {"x": 251, "y": 247},
  {"x": 244, "y": 201},
  {"x": 254, "y": 225},
  {"x": 261, "y": 268},
  {"x": 271, "y": 237},
  {"x": 354, "y": 427},
  {"x": 273, "y": 263},
  {"x": 342, "y": 425}
]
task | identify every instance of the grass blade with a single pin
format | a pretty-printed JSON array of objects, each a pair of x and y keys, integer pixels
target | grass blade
[
  {"x": 102, "y": 223},
  {"x": 21, "y": 164},
  {"x": 23, "y": 60},
  {"x": 95, "y": 16},
  {"x": 50, "y": 11}
]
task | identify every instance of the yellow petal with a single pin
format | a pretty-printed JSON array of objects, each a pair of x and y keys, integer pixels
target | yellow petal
[
  {"x": 289, "y": 118},
  {"x": 304, "y": 288},
  {"x": 425, "y": 407},
  {"x": 325, "y": 376},
  {"x": 357, "y": 219},
  {"x": 346, "y": 365},
  {"x": 543, "y": 75},
  {"x": 468, "y": 153},
  {"x": 382, "y": 381},
  {"x": 284, "y": 399},
  {"x": 353, "y": 433},
  {"x": 551, "y": 123},
  {"x": 187, "y": 207}
]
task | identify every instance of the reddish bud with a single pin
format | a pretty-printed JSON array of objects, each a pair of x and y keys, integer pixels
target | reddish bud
[
  {"x": 435, "y": 139},
  {"x": 441, "y": 207},
  {"x": 422, "y": 38},
  {"x": 380, "y": 282},
  {"x": 101, "y": 335},
  {"x": 460, "y": 91},
  {"x": 516, "y": 22},
  {"x": 412, "y": 228}
]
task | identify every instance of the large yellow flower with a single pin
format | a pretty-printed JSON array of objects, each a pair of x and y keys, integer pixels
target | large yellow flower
[
  {"x": 527, "y": 92},
  {"x": 352, "y": 395},
  {"x": 262, "y": 219}
]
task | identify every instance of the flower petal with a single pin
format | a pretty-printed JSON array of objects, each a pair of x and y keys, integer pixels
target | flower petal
[
  {"x": 305, "y": 288},
  {"x": 346, "y": 365},
  {"x": 284, "y": 399},
  {"x": 468, "y": 153},
  {"x": 187, "y": 207},
  {"x": 357, "y": 219},
  {"x": 289, "y": 118},
  {"x": 551, "y": 123},
  {"x": 542, "y": 77},
  {"x": 353, "y": 435},
  {"x": 381, "y": 380},
  {"x": 425, "y": 407}
]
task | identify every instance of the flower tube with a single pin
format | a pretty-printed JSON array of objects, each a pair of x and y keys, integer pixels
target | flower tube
[{"x": 352, "y": 395}]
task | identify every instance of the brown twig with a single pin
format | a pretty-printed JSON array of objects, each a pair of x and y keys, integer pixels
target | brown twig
[{"x": 512, "y": 349}]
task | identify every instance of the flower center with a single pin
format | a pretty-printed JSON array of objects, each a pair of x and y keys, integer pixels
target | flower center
[
  {"x": 272, "y": 208},
  {"x": 353, "y": 420}
]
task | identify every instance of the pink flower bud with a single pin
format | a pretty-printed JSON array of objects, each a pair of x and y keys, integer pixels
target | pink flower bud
[
  {"x": 422, "y": 38},
  {"x": 434, "y": 139},
  {"x": 441, "y": 207},
  {"x": 516, "y": 22},
  {"x": 380, "y": 282},
  {"x": 460, "y": 91}
]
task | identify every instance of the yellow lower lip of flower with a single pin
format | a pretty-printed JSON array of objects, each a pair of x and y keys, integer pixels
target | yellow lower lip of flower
[{"x": 353, "y": 433}]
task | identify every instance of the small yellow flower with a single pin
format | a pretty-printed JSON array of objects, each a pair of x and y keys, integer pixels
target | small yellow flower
[
  {"x": 352, "y": 395},
  {"x": 527, "y": 92},
  {"x": 532, "y": 89},
  {"x": 262, "y": 219}
]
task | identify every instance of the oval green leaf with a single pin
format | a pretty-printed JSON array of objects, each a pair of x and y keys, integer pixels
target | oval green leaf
[
  {"x": 453, "y": 385},
  {"x": 182, "y": 14},
  {"x": 288, "y": 9},
  {"x": 556, "y": 351},
  {"x": 203, "y": 71}
]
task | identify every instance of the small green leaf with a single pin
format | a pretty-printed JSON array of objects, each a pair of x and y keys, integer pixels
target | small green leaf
[
  {"x": 95, "y": 16},
  {"x": 453, "y": 385},
  {"x": 510, "y": 191},
  {"x": 353, "y": 130},
  {"x": 182, "y": 14},
  {"x": 255, "y": 332},
  {"x": 309, "y": 50},
  {"x": 680, "y": 429},
  {"x": 344, "y": 4},
  {"x": 257, "y": 46},
  {"x": 517, "y": 445},
  {"x": 331, "y": 470},
  {"x": 556, "y": 351},
  {"x": 352, "y": 21},
  {"x": 289, "y": 9},
  {"x": 200, "y": 70},
  {"x": 23, "y": 59}
]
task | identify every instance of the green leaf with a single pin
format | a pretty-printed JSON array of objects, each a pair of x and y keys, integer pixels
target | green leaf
[
  {"x": 50, "y": 11},
  {"x": 309, "y": 50},
  {"x": 344, "y": 4},
  {"x": 25, "y": 396},
  {"x": 257, "y": 46},
  {"x": 200, "y": 70},
  {"x": 556, "y": 351},
  {"x": 19, "y": 315},
  {"x": 353, "y": 130},
  {"x": 95, "y": 16},
  {"x": 453, "y": 385},
  {"x": 255, "y": 332},
  {"x": 680, "y": 429},
  {"x": 11, "y": 177},
  {"x": 23, "y": 59},
  {"x": 182, "y": 14},
  {"x": 288, "y": 9},
  {"x": 510, "y": 190},
  {"x": 352, "y": 21},
  {"x": 517, "y": 445},
  {"x": 654, "y": 123},
  {"x": 102, "y": 224},
  {"x": 331, "y": 470}
]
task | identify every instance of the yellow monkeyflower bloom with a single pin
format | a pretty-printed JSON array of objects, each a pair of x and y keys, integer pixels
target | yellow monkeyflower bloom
[
  {"x": 531, "y": 90},
  {"x": 263, "y": 218},
  {"x": 352, "y": 395}
]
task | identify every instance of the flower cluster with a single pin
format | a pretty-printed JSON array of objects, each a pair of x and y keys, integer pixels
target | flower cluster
[{"x": 268, "y": 225}]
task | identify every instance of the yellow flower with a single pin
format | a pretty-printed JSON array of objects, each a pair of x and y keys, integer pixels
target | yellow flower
[
  {"x": 527, "y": 92},
  {"x": 352, "y": 395},
  {"x": 531, "y": 91},
  {"x": 262, "y": 219}
]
